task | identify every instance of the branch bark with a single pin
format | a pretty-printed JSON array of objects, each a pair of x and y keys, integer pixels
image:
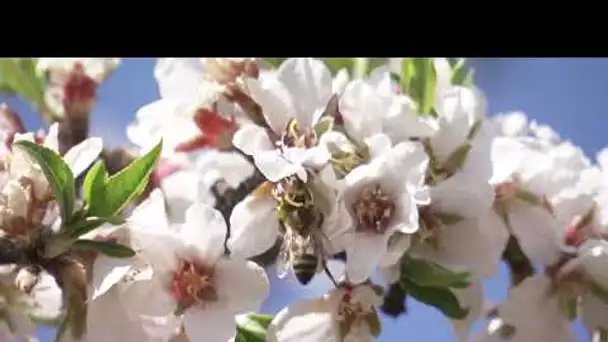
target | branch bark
[{"x": 519, "y": 265}]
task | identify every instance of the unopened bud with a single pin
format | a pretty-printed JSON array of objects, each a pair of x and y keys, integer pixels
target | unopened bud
[
  {"x": 79, "y": 92},
  {"x": 27, "y": 278}
]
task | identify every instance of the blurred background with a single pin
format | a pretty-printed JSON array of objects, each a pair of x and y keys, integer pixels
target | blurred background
[{"x": 570, "y": 95}]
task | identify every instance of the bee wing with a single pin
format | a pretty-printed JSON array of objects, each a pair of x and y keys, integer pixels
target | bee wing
[
  {"x": 322, "y": 243},
  {"x": 283, "y": 262}
]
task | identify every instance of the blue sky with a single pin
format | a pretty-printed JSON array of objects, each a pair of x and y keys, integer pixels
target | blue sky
[{"x": 571, "y": 95}]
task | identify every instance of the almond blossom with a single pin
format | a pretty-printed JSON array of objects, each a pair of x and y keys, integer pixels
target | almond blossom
[
  {"x": 293, "y": 101},
  {"x": 344, "y": 314},
  {"x": 193, "y": 280},
  {"x": 381, "y": 199}
]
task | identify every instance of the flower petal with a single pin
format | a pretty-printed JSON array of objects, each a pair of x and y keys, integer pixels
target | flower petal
[
  {"x": 363, "y": 254},
  {"x": 275, "y": 100},
  {"x": 307, "y": 320},
  {"x": 209, "y": 325},
  {"x": 204, "y": 232},
  {"x": 310, "y": 83},
  {"x": 81, "y": 156},
  {"x": 536, "y": 232},
  {"x": 107, "y": 272},
  {"x": 473, "y": 299},
  {"x": 254, "y": 227},
  {"x": 251, "y": 138},
  {"x": 362, "y": 110},
  {"x": 231, "y": 275}
]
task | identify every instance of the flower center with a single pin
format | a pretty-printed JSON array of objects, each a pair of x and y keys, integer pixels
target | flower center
[
  {"x": 193, "y": 284},
  {"x": 374, "y": 210},
  {"x": 294, "y": 136}
]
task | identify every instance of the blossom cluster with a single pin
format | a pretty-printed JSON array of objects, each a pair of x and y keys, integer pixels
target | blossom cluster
[{"x": 399, "y": 172}]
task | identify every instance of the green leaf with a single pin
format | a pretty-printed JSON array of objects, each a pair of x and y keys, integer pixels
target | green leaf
[
  {"x": 440, "y": 298},
  {"x": 428, "y": 273},
  {"x": 117, "y": 191},
  {"x": 419, "y": 80},
  {"x": 86, "y": 225},
  {"x": 252, "y": 327},
  {"x": 458, "y": 157},
  {"x": 275, "y": 62},
  {"x": 568, "y": 305},
  {"x": 110, "y": 249},
  {"x": 95, "y": 179},
  {"x": 324, "y": 125},
  {"x": 18, "y": 75},
  {"x": 58, "y": 174}
]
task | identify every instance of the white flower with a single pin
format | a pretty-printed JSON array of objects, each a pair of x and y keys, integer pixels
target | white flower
[
  {"x": 530, "y": 313},
  {"x": 459, "y": 175},
  {"x": 511, "y": 124},
  {"x": 194, "y": 279},
  {"x": 381, "y": 199},
  {"x": 293, "y": 99},
  {"x": 191, "y": 113},
  {"x": 344, "y": 314}
]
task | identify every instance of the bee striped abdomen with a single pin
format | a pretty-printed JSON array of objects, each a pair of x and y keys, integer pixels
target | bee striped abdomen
[{"x": 305, "y": 267}]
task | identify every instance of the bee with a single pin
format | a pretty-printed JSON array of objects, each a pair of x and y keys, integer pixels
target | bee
[{"x": 304, "y": 244}]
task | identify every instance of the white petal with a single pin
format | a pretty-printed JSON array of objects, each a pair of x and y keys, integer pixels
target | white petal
[
  {"x": 378, "y": 144},
  {"x": 363, "y": 255},
  {"x": 340, "y": 81},
  {"x": 251, "y": 138},
  {"x": 48, "y": 297},
  {"x": 535, "y": 315},
  {"x": 82, "y": 155},
  {"x": 254, "y": 227},
  {"x": 362, "y": 110},
  {"x": 178, "y": 77},
  {"x": 308, "y": 320},
  {"x": 275, "y": 100},
  {"x": 594, "y": 254},
  {"x": 52, "y": 138},
  {"x": 232, "y": 275},
  {"x": 397, "y": 245},
  {"x": 275, "y": 166},
  {"x": 309, "y": 81},
  {"x": 204, "y": 232},
  {"x": 336, "y": 142},
  {"x": 208, "y": 325},
  {"x": 536, "y": 232},
  {"x": 151, "y": 214},
  {"x": 107, "y": 272},
  {"x": 593, "y": 312},
  {"x": 473, "y": 299}
]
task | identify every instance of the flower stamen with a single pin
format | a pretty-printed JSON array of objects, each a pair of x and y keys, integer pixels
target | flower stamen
[
  {"x": 374, "y": 210},
  {"x": 193, "y": 285}
]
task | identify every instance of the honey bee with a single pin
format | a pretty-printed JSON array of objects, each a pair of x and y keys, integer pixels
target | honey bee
[{"x": 304, "y": 244}]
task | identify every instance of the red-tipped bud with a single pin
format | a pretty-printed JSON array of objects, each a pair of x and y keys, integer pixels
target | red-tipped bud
[{"x": 164, "y": 169}]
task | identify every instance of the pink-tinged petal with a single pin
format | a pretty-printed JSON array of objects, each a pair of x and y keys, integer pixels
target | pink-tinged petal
[
  {"x": 231, "y": 277},
  {"x": 309, "y": 82},
  {"x": 150, "y": 297},
  {"x": 254, "y": 227}
]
